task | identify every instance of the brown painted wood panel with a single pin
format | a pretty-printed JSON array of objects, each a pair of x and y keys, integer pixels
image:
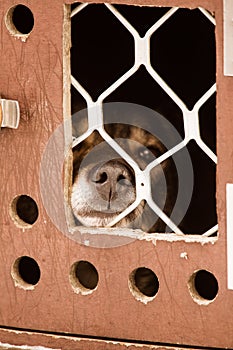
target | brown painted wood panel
[{"x": 32, "y": 73}]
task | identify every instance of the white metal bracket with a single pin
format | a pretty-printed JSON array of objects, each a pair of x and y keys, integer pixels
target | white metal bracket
[
  {"x": 9, "y": 114},
  {"x": 228, "y": 36}
]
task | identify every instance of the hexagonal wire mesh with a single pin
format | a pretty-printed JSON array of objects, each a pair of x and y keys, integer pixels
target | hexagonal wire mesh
[{"x": 144, "y": 56}]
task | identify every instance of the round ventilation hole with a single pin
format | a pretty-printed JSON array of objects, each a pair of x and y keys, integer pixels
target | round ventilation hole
[
  {"x": 203, "y": 287},
  {"x": 24, "y": 211},
  {"x": 143, "y": 284},
  {"x": 19, "y": 21},
  {"x": 26, "y": 273},
  {"x": 83, "y": 277}
]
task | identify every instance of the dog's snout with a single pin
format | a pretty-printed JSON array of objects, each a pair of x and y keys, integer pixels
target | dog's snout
[{"x": 111, "y": 179}]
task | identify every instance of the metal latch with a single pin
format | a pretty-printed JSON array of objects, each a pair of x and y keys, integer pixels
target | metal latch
[{"x": 9, "y": 113}]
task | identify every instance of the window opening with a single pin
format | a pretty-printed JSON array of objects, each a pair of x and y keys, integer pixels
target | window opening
[
  {"x": 187, "y": 61},
  {"x": 151, "y": 61},
  {"x": 96, "y": 68},
  {"x": 208, "y": 123},
  {"x": 142, "y": 89},
  {"x": 142, "y": 18}
]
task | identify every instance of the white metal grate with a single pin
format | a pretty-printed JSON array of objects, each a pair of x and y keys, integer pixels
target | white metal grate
[{"x": 190, "y": 117}]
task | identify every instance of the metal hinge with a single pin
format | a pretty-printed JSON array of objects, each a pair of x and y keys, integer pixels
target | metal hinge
[{"x": 9, "y": 114}]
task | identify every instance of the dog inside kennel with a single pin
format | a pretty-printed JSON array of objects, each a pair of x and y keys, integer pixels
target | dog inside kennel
[
  {"x": 116, "y": 228},
  {"x": 130, "y": 63}
]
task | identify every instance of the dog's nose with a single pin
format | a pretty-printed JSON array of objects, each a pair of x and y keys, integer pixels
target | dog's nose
[{"x": 112, "y": 180}]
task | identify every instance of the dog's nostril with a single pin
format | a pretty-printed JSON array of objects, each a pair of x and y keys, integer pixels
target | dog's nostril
[
  {"x": 120, "y": 178},
  {"x": 101, "y": 178},
  {"x": 124, "y": 181}
]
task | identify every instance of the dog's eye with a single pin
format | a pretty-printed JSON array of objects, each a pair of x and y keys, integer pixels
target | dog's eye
[
  {"x": 156, "y": 151},
  {"x": 146, "y": 154}
]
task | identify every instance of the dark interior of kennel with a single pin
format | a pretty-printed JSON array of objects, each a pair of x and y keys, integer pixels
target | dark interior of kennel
[{"x": 182, "y": 53}]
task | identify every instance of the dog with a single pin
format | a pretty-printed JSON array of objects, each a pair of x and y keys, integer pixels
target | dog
[{"x": 104, "y": 183}]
